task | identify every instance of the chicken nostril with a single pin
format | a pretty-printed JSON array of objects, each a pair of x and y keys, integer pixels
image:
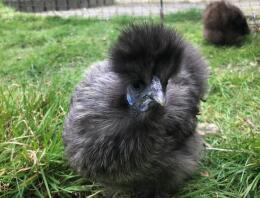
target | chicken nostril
[{"x": 146, "y": 97}]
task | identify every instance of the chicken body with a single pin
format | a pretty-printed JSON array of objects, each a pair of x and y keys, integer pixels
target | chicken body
[{"x": 146, "y": 153}]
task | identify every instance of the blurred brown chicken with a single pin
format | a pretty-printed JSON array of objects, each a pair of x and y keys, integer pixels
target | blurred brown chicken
[{"x": 224, "y": 24}]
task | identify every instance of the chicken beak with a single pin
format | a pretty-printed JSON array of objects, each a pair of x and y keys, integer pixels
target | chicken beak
[
  {"x": 156, "y": 91},
  {"x": 159, "y": 98}
]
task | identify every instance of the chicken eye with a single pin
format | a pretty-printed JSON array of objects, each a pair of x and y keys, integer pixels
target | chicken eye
[{"x": 138, "y": 85}]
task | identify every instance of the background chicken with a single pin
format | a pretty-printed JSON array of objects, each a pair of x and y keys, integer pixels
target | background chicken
[
  {"x": 132, "y": 119},
  {"x": 224, "y": 23}
]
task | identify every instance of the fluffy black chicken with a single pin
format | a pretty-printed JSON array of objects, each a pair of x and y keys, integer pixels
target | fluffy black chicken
[
  {"x": 224, "y": 23},
  {"x": 132, "y": 119}
]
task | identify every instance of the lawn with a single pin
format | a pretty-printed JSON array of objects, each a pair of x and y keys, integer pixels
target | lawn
[{"x": 41, "y": 60}]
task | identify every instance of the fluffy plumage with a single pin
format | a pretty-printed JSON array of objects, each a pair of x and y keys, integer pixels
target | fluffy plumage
[
  {"x": 151, "y": 153},
  {"x": 224, "y": 23}
]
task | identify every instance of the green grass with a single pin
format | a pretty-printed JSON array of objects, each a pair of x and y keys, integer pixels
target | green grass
[{"x": 41, "y": 60}]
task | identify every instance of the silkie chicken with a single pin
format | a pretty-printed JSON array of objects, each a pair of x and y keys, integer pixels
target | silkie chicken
[{"x": 132, "y": 119}]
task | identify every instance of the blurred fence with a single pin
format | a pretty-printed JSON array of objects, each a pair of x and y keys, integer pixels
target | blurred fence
[
  {"x": 107, "y": 8},
  {"x": 51, "y": 5}
]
